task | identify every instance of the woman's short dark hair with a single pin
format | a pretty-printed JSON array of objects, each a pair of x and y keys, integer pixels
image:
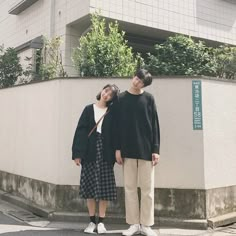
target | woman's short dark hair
[
  {"x": 115, "y": 92},
  {"x": 145, "y": 76}
]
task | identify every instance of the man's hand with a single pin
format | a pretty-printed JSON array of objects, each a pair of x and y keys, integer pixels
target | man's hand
[
  {"x": 119, "y": 159},
  {"x": 155, "y": 159},
  {"x": 77, "y": 161}
]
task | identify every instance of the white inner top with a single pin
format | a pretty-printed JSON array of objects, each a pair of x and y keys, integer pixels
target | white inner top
[{"x": 98, "y": 113}]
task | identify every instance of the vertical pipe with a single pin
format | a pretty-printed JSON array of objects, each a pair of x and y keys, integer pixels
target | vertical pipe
[{"x": 52, "y": 19}]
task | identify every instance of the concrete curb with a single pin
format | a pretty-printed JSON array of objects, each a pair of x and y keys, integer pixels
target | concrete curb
[
  {"x": 222, "y": 220},
  {"x": 114, "y": 219},
  {"x": 182, "y": 223},
  {"x": 117, "y": 219},
  {"x": 25, "y": 204},
  {"x": 83, "y": 217}
]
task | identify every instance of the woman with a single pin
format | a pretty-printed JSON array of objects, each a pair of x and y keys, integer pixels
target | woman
[{"x": 93, "y": 149}]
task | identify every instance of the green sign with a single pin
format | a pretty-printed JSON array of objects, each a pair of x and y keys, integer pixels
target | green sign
[{"x": 197, "y": 104}]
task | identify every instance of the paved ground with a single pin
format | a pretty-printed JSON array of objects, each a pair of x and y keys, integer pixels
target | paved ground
[{"x": 15, "y": 221}]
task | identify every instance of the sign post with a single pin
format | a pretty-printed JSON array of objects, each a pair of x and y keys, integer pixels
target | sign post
[{"x": 197, "y": 104}]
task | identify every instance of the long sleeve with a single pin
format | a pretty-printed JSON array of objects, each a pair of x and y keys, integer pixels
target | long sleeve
[
  {"x": 80, "y": 141},
  {"x": 116, "y": 126},
  {"x": 155, "y": 130}
]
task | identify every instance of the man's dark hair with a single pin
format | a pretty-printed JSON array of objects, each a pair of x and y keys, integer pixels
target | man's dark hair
[{"x": 145, "y": 76}]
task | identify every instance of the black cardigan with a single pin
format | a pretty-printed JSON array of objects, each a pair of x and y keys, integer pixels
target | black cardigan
[{"x": 84, "y": 147}]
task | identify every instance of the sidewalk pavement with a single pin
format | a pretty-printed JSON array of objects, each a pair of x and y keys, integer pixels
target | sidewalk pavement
[{"x": 20, "y": 219}]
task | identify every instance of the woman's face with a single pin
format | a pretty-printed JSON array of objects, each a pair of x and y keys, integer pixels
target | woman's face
[{"x": 106, "y": 94}]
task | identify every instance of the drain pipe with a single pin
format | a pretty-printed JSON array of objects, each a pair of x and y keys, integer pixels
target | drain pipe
[{"x": 52, "y": 19}]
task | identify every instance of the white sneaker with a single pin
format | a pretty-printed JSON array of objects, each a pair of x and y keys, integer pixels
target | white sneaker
[
  {"x": 90, "y": 228},
  {"x": 133, "y": 229},
  {"x": 146, "y": 230},
  {"x": 101, "y": 228}
]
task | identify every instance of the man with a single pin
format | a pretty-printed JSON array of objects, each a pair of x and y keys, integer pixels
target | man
[{"x": 137, "y": 149}]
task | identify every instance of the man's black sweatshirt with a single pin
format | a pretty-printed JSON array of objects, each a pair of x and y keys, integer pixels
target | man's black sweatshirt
[{"x": 137, "y": 126}]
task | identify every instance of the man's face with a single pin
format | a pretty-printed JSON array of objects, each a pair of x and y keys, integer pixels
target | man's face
[{"x": 137, "y": 83}]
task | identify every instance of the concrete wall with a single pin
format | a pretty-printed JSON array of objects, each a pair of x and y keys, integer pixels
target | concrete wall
[
  {"x": 29, "y": 131},
  {"x": 43, "y": 118},
  {"x": 196, "y": 174},
  {"x": 219, "y": 112},
  {"x": 181, "y": 146}
]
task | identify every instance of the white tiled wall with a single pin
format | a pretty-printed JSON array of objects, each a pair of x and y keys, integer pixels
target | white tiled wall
[
  {"x": 210, "y": 19},
  {"x": 18, "y": 29}
]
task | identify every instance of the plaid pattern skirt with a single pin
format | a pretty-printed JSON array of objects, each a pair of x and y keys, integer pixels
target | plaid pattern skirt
[{"x": 97, "y": 179}]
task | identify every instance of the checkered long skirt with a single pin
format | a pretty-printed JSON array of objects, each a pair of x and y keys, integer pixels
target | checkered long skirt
[{"x": 97, "y": 179}]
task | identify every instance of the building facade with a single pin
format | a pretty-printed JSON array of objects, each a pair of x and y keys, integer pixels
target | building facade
[{"x": 145, "y": 22}]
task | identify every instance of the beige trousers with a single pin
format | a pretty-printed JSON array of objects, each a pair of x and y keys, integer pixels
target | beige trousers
[{"x": 139, "y": 173}]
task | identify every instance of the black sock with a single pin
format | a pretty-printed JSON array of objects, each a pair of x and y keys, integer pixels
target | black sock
[
  {"x": 100, "y": 219},
  {"x": 92, "y": 219}
]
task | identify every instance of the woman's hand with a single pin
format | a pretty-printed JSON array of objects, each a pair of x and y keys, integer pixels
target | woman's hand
[{"x": 77, "y": 161}]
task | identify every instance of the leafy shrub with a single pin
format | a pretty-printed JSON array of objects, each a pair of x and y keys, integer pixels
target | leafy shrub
[
  {"x": 180, "y": 55},
  {"x": 10, "y": 67},
  {"x": 104, "y": 51}
]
